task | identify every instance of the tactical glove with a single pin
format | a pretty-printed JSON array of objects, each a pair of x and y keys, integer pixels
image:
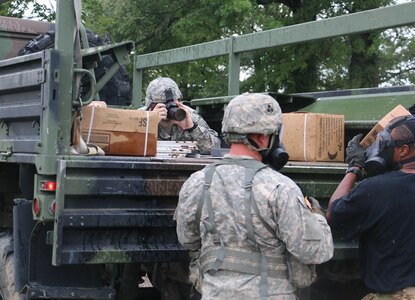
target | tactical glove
[{"x": 355, "y": 154}]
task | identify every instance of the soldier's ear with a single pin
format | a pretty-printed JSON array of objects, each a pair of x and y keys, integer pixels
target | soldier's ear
[{"x": 404, "y": 151}]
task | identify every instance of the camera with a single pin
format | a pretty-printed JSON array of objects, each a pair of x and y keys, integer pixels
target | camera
[{"x": 173, "y": 111}]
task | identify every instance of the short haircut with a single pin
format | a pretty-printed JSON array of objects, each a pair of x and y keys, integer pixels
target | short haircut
[{"x": 403, "y": 133}]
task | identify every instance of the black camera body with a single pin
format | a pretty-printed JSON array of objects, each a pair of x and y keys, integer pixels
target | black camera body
[{"x": 173, "y": 111}]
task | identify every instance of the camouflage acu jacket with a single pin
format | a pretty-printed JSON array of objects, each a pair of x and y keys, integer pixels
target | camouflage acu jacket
[{"x": 281, "y": 205}]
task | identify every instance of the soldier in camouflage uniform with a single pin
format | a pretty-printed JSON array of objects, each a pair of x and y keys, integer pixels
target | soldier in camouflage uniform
[
  {"x": 405, "y": 294},
  {"x": 246, "y": 218},
  {"x": 172, "y": 279},
  {"x": 192, "y": 128}
]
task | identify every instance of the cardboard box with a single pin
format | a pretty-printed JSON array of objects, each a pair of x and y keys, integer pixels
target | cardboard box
[
  {"x": 371, "y": 136},
  {"x": 121, "y": 131},
  {"x": 314, "y": 136}
]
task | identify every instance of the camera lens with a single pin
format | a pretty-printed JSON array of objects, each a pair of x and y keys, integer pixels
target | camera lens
[{"x": 176, "y": 113}]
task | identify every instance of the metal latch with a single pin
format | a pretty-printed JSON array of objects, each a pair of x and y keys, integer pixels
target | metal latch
[
  {"x": 5, "y": 127},
  {"x": 7, "y": 153},
  {"x": 49, "y": 238}
]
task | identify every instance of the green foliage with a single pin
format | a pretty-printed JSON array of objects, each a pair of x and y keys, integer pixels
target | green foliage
[
  {"x": 31, "y": 8},
  {"x": 397, "y": 65},
  {"x": 165, "y": 24},
  {"x": 379, "y": 58}
]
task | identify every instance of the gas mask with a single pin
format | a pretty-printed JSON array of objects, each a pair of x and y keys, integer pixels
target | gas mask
[
  {"x": 380, "y": 153},
  {"x": 275, "y": 155}
]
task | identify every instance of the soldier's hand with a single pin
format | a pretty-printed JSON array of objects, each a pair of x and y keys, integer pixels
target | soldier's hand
[
  {"x": 187, "y": 122},
  {"x": 162, "y": 110},
  {"x": 98, "y": 103},
  {"x": 355, "y": 154},
  {"x": 314, "y": 205}
]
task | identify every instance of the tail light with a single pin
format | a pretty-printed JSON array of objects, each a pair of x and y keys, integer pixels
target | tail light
[
  {"x": 49, "y": 186},
  {"x": 36, "y": 206}
]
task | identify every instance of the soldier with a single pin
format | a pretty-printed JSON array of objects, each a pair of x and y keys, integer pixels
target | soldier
[
  {"x": 178, "y": 121},
  {"x": 247, "y": 219}
]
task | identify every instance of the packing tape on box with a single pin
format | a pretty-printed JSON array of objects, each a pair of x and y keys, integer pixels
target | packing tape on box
[
  {"x": 90, "y": 124},
  {"x": 305, "y": 137}
]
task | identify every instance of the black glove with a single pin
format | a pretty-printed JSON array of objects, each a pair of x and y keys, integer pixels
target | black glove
[{"x": 355, "y": 154}]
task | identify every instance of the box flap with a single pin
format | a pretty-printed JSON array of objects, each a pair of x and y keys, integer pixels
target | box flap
[{"x": 113, "y": 119}]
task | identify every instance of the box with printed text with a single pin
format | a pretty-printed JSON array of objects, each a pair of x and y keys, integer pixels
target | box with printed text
[
  {"x": 120, "y": 131},
  {"x": 314, "y": 136}
]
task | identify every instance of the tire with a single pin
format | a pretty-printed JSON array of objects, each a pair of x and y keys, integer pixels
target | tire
[
  {"x": 7, "y": 269},
  {"x": 118, "y": 89}
]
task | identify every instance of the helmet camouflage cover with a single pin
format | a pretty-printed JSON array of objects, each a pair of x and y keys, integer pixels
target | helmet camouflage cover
[
  {"x": 252, "y": 113},
  {"x": 156, "y": 90}
]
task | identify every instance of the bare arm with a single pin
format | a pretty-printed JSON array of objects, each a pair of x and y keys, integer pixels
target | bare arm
[{"x": 343, "y": 188}]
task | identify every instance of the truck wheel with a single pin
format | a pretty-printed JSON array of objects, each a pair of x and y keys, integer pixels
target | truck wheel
[
  {"x": 117, "y": 91},
  {"x": 7, "y": 270}
]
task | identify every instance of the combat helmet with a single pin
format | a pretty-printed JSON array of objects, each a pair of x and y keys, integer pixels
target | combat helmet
[
  {"x": 251, "y": 113},
  {"x": 156, "y": 90}
]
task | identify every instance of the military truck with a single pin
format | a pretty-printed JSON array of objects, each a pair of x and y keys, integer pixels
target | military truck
[
  {"x": 78, "y": 227},
  {"x": 72, "y": 226}
]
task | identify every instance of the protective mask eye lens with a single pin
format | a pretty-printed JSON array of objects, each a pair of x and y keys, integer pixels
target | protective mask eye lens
[
  {"x": 383, "y": 140},
  {"x": 381, "y": 144},
  {"x": 380, "y": 154}
]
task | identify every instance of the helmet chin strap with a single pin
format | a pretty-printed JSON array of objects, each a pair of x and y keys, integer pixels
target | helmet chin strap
[{"x": 252, "y": 145}]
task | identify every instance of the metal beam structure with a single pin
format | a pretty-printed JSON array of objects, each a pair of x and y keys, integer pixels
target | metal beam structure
[
  {"x": 64, "y": 43},
  {"x": 370, "y": 20}
]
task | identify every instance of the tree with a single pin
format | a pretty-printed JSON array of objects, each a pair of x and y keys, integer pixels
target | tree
[
  {"x": 347, "y": 62},
  {"x": 22, "y": 8},
  {"x": 164, "y": 24},
  {"x": 364, "y": 60}
]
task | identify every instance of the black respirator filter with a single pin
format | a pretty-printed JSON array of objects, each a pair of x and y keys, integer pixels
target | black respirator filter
[
  {"x": 380, "y": 154},
  {"x": 275, "y": 156}
]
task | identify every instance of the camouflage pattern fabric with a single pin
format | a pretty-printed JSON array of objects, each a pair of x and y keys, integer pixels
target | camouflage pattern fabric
[
  {"x": 205, "y": 137},
  {"x": 304, "y": 234},
  {"x": 252, "y": 113},
  {"x": 399, "y": 295}
]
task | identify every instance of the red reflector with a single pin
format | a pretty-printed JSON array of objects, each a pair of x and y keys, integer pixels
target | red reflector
[
  {"x": 50, "y": 186},
  {"x": 36, "y": 206}
]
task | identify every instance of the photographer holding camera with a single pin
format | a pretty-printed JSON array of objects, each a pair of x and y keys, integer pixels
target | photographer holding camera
[{"x": 178, "y": 122}]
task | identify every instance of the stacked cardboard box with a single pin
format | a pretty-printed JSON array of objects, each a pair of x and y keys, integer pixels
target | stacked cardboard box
[
  {"x": 120, "y": 131},
  {"x": 314, "y": 136}
]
